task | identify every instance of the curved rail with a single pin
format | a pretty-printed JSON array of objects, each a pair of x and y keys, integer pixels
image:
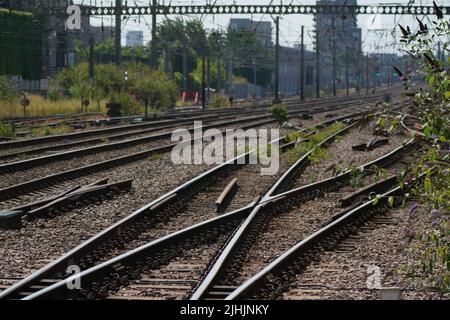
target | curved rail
[
  {"x": 276, "y": 268},
  {"x": 305, "y": 192},
  {"x": 160, "y": 203}
]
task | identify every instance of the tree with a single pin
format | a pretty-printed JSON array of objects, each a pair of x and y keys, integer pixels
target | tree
[
  {"x": 7, "y": 90},
  {"x": 143, "y": 86},
  {"x": 246, "y": 52},
  {"x": 217, "y": 46},
  {"x": 182, "y": 42}
]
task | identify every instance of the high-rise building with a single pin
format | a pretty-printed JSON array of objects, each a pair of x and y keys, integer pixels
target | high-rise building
[
  {"x": 135, "y": 38},
  {"x": 19, "y": 4},
  {"x": 338, "y": 34},
  {"x": 262, "y": 29},
  {"x": 341, "y": 28}
]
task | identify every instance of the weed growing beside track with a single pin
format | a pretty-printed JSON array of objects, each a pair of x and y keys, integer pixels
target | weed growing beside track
[
  {"x": 430, "y": 263},
  {"x": 311, "y": 142}
]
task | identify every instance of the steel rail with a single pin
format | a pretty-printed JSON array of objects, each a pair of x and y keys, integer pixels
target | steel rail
[
  {"x": 172, "y": 114},
  {"x": 305, "y": 192},
  {"x": 301, "y": 163},
  {"x": 405, "y": 126},
  {"x": 211, "y": 114},
  {"x": 100, "y": 139},
  {"x": 33, "y": 162},
  {"x": 87, "y": 133},
  {"x": 163, "y": 201},
  {"x": 43, "y": 160},
  {"x": 275, "y": 269},
  {"x": 95, "y": 274},
  {"x": 28, "y": 186}
]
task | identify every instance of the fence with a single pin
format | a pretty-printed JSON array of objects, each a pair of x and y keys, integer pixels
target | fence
[
  {"x": 243, "y": 91},
  {"x": 30, "y": 85}
]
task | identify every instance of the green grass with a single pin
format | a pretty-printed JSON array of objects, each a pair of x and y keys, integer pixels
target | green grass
[
  {"x": 6, "y": 130},
  {"x": 40, "y": 106},
  {"x": 295, "y": 136},
  {"x": 156, "y": 157},
  {"x": 319, "y": 154},
  {"x": 312, "y": 143},
  {"x": 47, "y": 130},
  {"x": 357, "y": 180}
]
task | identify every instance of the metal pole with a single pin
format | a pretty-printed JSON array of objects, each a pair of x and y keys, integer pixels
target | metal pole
[
  {"x": 367, "y": 74},
  {"x": 334, "y": 57},
  {"x": 185, "y": 67},
  {"x": 118, "y": 32},
  {"x": 375, "y": 79},
  {"x": 208, "y": 72},
  {"x": 277, "y": 61},
  {"x": 203, "y": 82},
  {"x": 439, "y": 51},
  {"x": 358, "y": 73},
  {"x": 91, "y": 58},
  {"x": 154, "y": 48},
  {"x": 219, "y": 75},
  {"x": 347, "y": 82},
  {"x": 317, "y": 66},
  {"x": 302, "y": 66},
  {"x": 254, "y": 77}
]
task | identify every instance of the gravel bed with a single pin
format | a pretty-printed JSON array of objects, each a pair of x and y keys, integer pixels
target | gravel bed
[
  {"x": 62, "y": 148},
  {"x": 341, "y": 155},
  {"x": 343, "y": 273},
  {"x": 38, "y": 242},
  {"x": 283, "y": 231},
  {"x": 13, "y": 178},
  {"x": 193, "y": 262},
  {"x": 291, "y": 226}
]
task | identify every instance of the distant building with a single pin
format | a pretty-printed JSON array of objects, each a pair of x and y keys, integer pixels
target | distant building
[
  {"x": 289, "y": 72},
  {"x": 339, "y": 30},
  {"x": 262, "y": 29},
  {"x": 22, "y": 5},
  {"x": 98, "y": 33},
  {"x": 135, "y": 38}
]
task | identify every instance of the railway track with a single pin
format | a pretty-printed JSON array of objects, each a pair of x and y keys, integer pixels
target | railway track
[
  {"x": 171, "y": 265},
  {"x": 159, "y": 219},
  {"x": 238, "y": 204},
  {"x": 22, "y": 154},
  {"x": 280, "y": 223},
  {"x": 125, "y": 144},
  {"x": 41, "y": 180},
  {"x": 37, "y": 183},
  {"x": 182, "y": 118},
  {"x": 74, "y": 118},
  {"x": 137, "y": 137}
]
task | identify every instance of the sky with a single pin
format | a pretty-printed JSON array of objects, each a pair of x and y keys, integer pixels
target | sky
[{"x": 377, "y": 31}]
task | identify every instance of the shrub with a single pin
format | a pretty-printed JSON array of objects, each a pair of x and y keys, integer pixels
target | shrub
[
  {"x": 6, "y": 130},
  {"x": 142, "y": 84},
  {"x": 280, "y": 113},
  {"x": 129, "y": 106},
  {"x": 219, "y": 101},
  {"x": 54, "y": 95},
  {"x": 7, "y": 90}
]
